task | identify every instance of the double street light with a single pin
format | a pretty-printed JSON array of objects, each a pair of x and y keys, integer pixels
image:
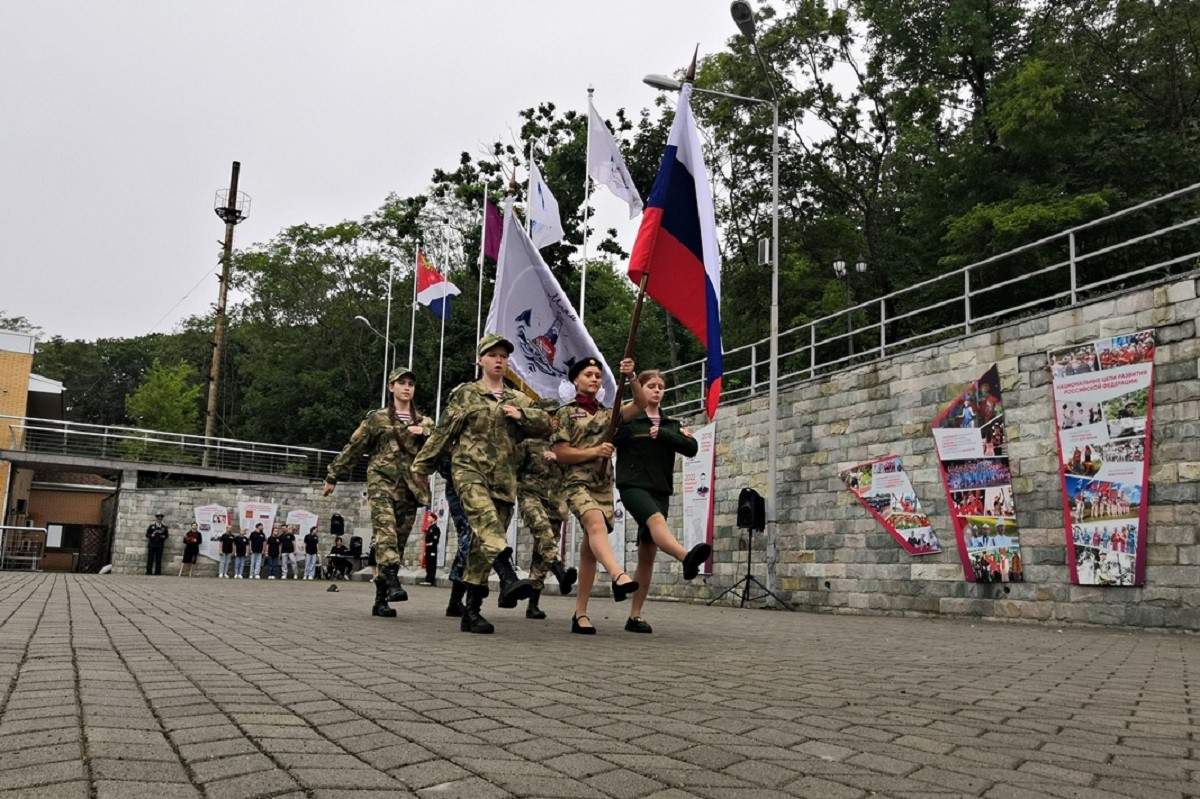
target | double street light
[
  {"x": 743, "y": 17},
  {"x": 387, "y": 342},
  {"x": 842, "y": 270}
]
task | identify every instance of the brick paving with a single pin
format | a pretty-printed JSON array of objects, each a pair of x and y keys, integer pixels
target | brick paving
[{"x": 161, "y": 687}]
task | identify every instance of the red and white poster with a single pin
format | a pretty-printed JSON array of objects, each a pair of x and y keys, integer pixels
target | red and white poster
[
  {"x": 212, "y": 521},
  {"x": 882, "y": 487},
  {"x": 972, "y": 449},
  {"x": 1103, "y": 401},
  {"x": 302, "y": 520},
  {"x": 252, "y": 513},
  {"x": 697, "y": 491}
]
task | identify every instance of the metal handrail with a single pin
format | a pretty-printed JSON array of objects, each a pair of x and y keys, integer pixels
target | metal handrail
[{"x": 803, "y": 359}]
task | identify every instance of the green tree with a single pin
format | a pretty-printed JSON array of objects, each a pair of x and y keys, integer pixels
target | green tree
[{"x": 168, "y": 400}]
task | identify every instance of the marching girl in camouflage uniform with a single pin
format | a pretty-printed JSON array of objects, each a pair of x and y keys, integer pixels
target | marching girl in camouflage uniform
[
  {"x": 392, "y": 437},
  {"x": 482, "y": 425},
  {"x": 646, "y": 448},
  {"x": 543, "y": 510},
  {"x": 582, "y": 447}
]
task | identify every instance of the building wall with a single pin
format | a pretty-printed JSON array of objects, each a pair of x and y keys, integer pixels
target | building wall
[
  {"x": 65, "y": 507},
  {"x": 833, "y": 557},
  {"x": 16, "y": 362}
]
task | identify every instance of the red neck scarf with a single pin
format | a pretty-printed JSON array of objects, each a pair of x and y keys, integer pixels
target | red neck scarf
[{"x": 587, "y": 402}]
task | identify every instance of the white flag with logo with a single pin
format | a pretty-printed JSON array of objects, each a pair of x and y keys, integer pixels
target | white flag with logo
[
  {"x": 530, "y": 309},
  {"x": 545, "y": 223},
  {"x": 605, "y": 164}
]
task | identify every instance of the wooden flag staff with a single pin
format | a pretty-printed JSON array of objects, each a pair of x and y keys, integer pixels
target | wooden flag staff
[{"x": 636, "y": 319}]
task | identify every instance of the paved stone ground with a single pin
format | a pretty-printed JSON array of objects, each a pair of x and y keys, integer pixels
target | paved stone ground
[{"x": 160, "y": 687}]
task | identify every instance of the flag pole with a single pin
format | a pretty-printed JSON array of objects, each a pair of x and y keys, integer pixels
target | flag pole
[
  {"x": 587, "y": 193},
  {"x": 479, "y": 299},
  {"x": 636, "y": 320},
  {"x": 412, "y": 309},
  {"x": 437, "y": 414},
  {"x": 529, "y": 196},
  {"x": 387, "y": 333}
]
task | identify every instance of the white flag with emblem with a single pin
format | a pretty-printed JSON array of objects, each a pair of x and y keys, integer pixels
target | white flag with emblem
[
  {"x": 530, "y": 309},
  {"x": 605, "y": 164},
  {"x": 545, "y": 223}
]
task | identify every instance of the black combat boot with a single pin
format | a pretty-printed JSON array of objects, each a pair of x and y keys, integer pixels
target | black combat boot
[
  {"x": 566, "y": 577},
  {"x": 512, "y": 588},
  {"x": 391, "y": 579},
  {"x": 532, "y": 611},
  {"x": 455, "y": 608},
  {"x": 380, "y": 608},
  {"x": 472, "y": 620}
]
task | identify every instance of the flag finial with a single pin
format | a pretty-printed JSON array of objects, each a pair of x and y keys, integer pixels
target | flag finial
[{"x": 690, "y": 76}]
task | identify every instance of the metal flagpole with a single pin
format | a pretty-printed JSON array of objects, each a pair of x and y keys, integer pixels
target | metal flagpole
[
  {"x": 437, "y": 414},
  {"x": 412, "y": 326},
  {"x": 387, "y": 332},
  {"x": 479, "y": 300},
  {"x": 529, "y": 196},
  {"x": 587, "y": 193}
]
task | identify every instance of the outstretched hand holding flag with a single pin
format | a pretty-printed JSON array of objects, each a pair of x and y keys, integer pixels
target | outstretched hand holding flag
[{"x": 676, "y": 245}]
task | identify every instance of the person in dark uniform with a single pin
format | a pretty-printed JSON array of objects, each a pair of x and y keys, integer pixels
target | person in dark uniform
[
  {"x": 273, "y": 554},
  {"x": 191, "y": 548},
  {"x": 287, "y": 555},
  {"x": 156, "y": 538},
  {"x": 310, "y": 554},
  {"x": 225, "y": 568},
  {"x": 647, "y": 445},
  {"x": 240, "y": 542},
  {"x": 339, "y": 560},
  {"x": 258, "y": 540},
  {"x": 433, "y": 537}
]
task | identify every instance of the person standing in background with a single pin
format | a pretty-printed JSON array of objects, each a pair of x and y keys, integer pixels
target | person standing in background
[
  {"x": 433, "y": 537},
  {"x": 258, "y": 540},
  {"x": 273, "y": 554},
  {"x": 310, "y": 554},
  {"x": 287, "y": 554},
  {"x": 156, "y": 539},
  {"x": 240, "y": 542},
  {"x": 226, "y": 563},
  {"x": 191, "y": 548}
]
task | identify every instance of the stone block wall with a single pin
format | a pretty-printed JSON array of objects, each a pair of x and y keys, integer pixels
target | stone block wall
[{"x": 835, "y": 558}]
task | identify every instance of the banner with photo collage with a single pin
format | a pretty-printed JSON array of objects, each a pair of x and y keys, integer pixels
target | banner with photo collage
[
  {"x": 972, "y": 449},
  {"x": 882, "y": 487},
  {"x": 1103, "y": 401}
]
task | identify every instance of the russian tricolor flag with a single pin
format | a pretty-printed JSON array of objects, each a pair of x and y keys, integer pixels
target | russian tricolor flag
[
  {"x": 677, "y": 244},
  {"x": 433, "y": 290}
]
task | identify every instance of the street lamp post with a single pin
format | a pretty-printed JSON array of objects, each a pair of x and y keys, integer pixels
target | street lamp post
[
  {"x": 744, "y": 18},
  {"x": 842, "y": 271}
]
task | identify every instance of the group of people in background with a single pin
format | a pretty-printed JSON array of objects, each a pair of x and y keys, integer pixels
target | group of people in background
[
  {"x": 497, "y": 449},
  {"x": 1118, "y": 538},
  {"x": 977, "y": 474}
]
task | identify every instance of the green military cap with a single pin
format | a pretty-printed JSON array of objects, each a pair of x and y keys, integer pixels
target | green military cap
[
  {"x": 399, "y": 372},
  {"x": 492, "y": 340}
]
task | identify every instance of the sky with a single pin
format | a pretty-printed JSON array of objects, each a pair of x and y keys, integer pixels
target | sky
[{"x": 119, "y": 120}]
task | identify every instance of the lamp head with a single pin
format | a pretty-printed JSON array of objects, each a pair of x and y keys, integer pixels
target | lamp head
[
  {"x": 362, "y": 320},
  {"x": 839, "y": 268},
  {"x": 664, "y": 82},
  {"x": 743, "y": 17}
]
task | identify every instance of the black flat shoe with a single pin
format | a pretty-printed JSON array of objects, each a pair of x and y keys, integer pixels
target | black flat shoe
[
  {"x": 620, "y": 591},
  {"x": 576, "y": 628},
  {"x": 637, "y": 625},
  {"x": 694, "y": 559}
]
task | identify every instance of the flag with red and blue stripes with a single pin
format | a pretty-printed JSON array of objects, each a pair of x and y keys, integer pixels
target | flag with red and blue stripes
[
  {"x": 676, "y": 244},
  {"x": 433, "y": 290}
]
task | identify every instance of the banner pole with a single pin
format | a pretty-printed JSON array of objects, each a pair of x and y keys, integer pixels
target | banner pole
[
  {"x": 587, "y": 193},
  {"x": 529, "y": 196},
  {"x": 387, "y": 336},
  {"x": 634, "y": 322},
  {"x": 479, "y": 299},
  {"x": 437, "y": 414},
  {"x": 412, "y": 309}
]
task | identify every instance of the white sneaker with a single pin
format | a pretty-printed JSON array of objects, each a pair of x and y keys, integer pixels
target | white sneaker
[
  {"x": 255, "y": 577},
  {"x": 237, "y": 576},
  {"x": 271, "y": 577}
]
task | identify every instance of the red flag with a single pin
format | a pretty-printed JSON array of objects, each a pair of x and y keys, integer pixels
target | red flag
[{"x": 493, "y": 226}]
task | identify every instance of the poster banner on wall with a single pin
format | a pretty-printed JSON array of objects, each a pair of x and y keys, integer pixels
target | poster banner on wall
[
  {"x": 213, "y": 521},
  {"x": 302, "y": 520},
  {"x": 251, "y": 513},
  {"x": 1103, "y": 403},
  {"x": 972, "y": 449},
  {"x": 699, "y": 474},
  {"x": 882, "y": 487}
]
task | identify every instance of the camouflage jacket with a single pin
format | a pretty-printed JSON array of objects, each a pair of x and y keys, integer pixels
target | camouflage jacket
[
  {"x": 482, "y": 440},
  {"x": 577, "y": 429},
  {"x": 391, "y": 448},
  {"x": 539, "y": 477}
]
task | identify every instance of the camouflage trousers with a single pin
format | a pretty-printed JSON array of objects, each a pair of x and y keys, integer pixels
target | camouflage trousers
[
  {"x": 544, "y": 522},
  {"x": 463, "y": 528},
  {"x": 391, "y": 522},
  {"x": 489, "y": 518}
]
